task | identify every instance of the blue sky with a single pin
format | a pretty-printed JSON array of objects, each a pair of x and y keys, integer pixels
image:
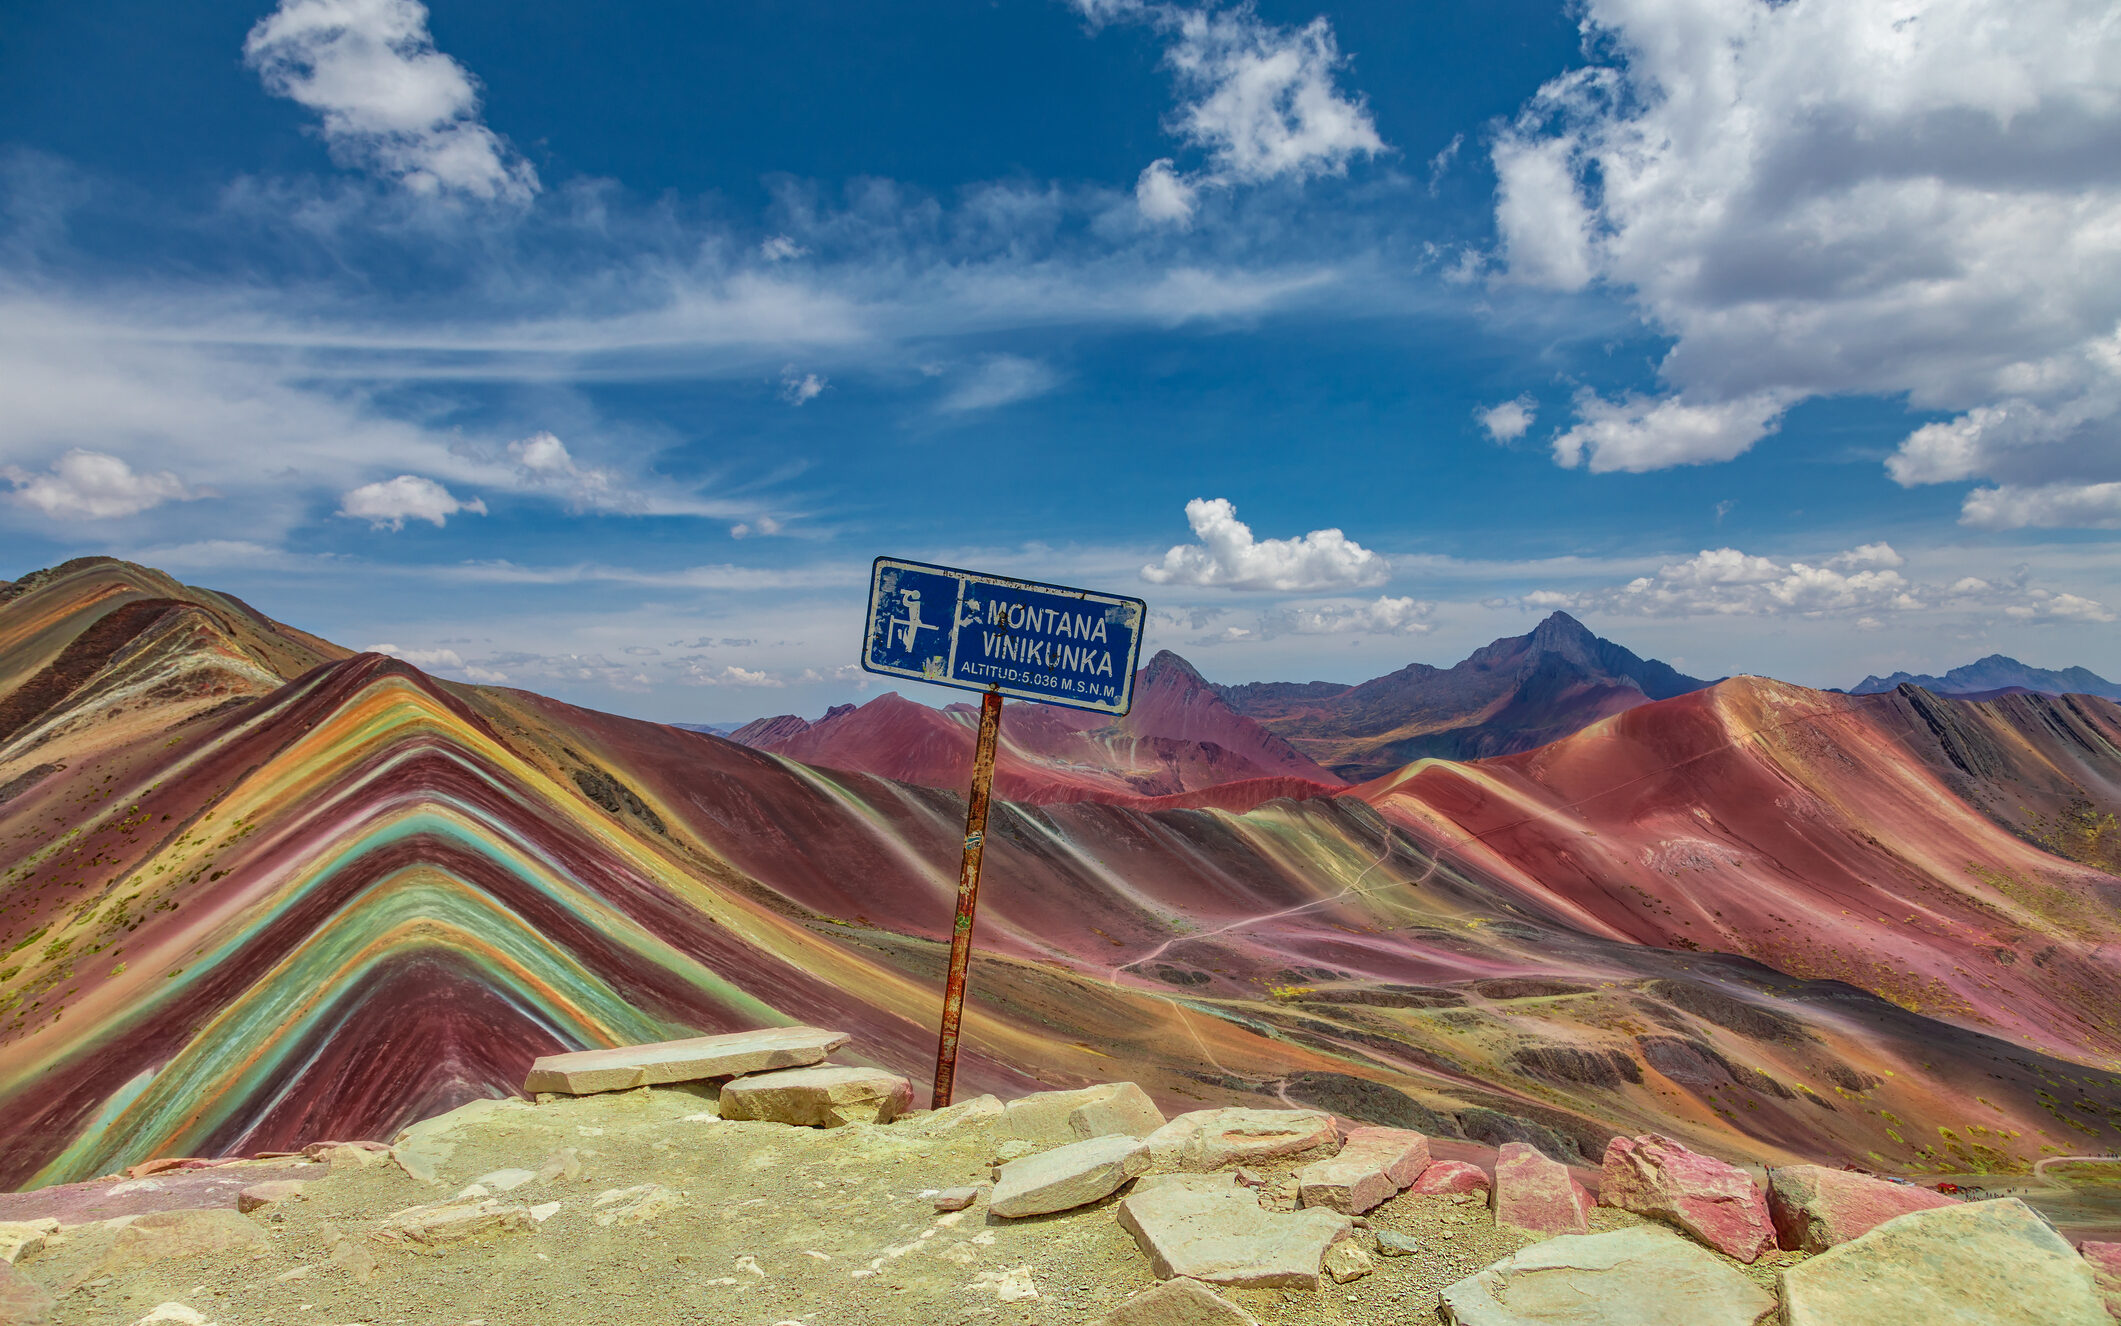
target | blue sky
[{"x": 597, "y": 350}]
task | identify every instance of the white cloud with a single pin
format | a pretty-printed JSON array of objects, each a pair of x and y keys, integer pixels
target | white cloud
[
  {"x": 91, "y": 485},
  {"x": 2049, "y": 506},
  {"x": 1638, "y": 433},
  {"x": 1727, "y": 582},
  {"x": 1846, "y": 197},
  {"x": 763, "y": 525},
  {"x": 1261, "y": 101},
  {"x": 780, "y": 248},
  {"x": 422, "y": 658},
  {"x": 543, "y": 461},
  {"x": 389, "y": 503},
  {"x": 1229, "y": 557},
  {"x": 999, "y": 380},
  {"x": 1381, "y": 616},
  {"x": 800, "y": 389},
  {"x": 390, "y": 101},
  {"x": 1508, "y": 421},
  {"x": 2041, "y": 605},
  {"x": 1162, "y": 195}
]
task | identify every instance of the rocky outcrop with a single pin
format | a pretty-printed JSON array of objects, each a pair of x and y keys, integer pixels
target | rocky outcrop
[
  {"x": 1538, "y": 1195},
  {"x": 2105, "y": 1261},
  {"x": 1814, "y": 1208},
  {"x": 1711, "y": 1199},
  {"x": 1645, "y": 1276},
  {"x": 1993, "y": 1262},
  {"x": 1055, "y": 1117}
]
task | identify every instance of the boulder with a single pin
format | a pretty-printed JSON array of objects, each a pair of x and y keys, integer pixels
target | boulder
[
  {"x": 630, "y": 1206},
  {"x": 1714, "y": 1200},
  {"x": 1996, "y": 1263},
  {"x": 443, "y": 1223},
  {"x": 973, "y": 1113},
  {"x": 1445, "y": 1177},
  {"x": 1344, "y": 1262},
  {"x": 1814, "y": 1207},
  {"x": 24, "y": 1238},
  {"x": 2105, "y": 1261},
  {"x": 1209, "y": 1139},
  {"x": 1538, "y": 1195},
  {"x": 23, "y": 1300},
  {"x": 1178, "y": 1303},
  {"x": 1225, "y": 1238},
  {"x": 1067, "y": 1176},
  {"x": 1053, "y": 1118},
  {"x": 825, "y": 1096},
  {"x": 627, "y": 1066},
  {"x": 260, "y": 1195},
  {"x": 1372, "y": 1166},
  {"x": 1642, "y": 1276},
  {"x": 955, "y": 1199}
]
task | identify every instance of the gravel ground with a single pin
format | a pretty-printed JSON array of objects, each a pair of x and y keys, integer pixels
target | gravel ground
[{"x": 773, "y": 1225}]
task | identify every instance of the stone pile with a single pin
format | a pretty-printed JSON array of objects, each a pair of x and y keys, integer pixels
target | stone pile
[{"x": 1232, "y": 1198}]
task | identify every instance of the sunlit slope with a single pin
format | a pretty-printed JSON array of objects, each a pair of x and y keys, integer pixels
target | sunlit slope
[
  {"x": 1826, "y": 836},
  {"x": 243, "y": 920}
]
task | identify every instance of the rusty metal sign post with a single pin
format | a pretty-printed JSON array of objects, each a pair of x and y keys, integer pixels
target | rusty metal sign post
[{"x": 999, "y": 636}]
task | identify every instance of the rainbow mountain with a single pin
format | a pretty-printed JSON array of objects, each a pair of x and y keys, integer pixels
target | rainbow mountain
[{"x": 257, "y": 890}]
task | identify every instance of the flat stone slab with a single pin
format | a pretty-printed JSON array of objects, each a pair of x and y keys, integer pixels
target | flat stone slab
[
  {"x": 1209, "y": 1139},
  {"x": 444, "y": 1223},
  {"x": 1713, "y": 1200},
  {"x": 624, "y": 1067},
  {"x": 24, "y": 1302},
  {"x": 1814, "y": 1208},
  {"x": 1225, "y": 1238},
  {"x": 1995, "y": 1263},
  {"x": 824, "y": 1096},
  {"x": 1644, "y": 1276},
  {"x": 1538, "y": 1195},
  {"x": 1373, "y": 1165},
  {"x": 1068, "y": 1176}
]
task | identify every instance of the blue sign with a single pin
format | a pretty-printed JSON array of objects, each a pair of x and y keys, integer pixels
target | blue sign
[{"x": 1028, "y": 640}]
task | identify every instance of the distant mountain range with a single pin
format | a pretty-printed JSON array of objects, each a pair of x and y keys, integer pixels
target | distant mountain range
[
  {"x": 1519, "y": 692},
  {"x": 1179, "y": 739},
  {"x": 1997, "y": 672}
]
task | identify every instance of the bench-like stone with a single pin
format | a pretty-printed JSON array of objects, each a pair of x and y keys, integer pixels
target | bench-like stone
[
  {"x": 1994, "y": 1262},
  {"x": 1068, "y": 1176},
  {"x": 1538, "y": 1195},
  {"x": 624, "y": 1067},
  {"x": 1373, "y": 1165},
  {"x": 1814, "y": 1208},
  {"x": 822, "y": 1096},
  {"x": 1204, "y": 1140},
  {"x": 1225, "y": 1238},
  {"x": 1644, "y": 1276}
]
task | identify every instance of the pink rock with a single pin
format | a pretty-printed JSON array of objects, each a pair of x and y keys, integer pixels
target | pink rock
[
  {"x": 1814, "y": 1207},
  {"x": 1449, "y": 1176},
  {"x": 1538, "y": 1195},
  {"x": 2106, "y": 1272},
  {"x": 1712, "y": 1199}
]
